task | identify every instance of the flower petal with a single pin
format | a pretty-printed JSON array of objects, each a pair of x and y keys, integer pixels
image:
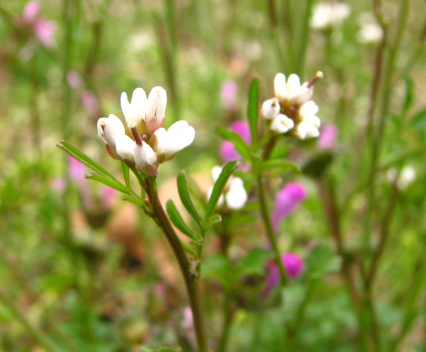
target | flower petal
[
  {"x": 236, "y": 197},
  {"x": 178, "y": 136},
  {"x": 282, "y": 124},
  {"x": 124, "y": 147}
]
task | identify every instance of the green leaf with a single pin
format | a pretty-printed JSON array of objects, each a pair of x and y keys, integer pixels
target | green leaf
[
  {"x": 279, "y": 166},
  {"x": 178, "y": 221},
  {"x": 409, "y": 95},
  {"x": 132, "y": 200},
  {"x": 322, "y": 261},
  {"x": 218, "y": 187},
  {"x": 102, "y": 176},
  {"x": 219, "y": 268},
  {"x": 214, "y": 219},
  {"x": 280, "y": 152},
  {"x": 185, "y": 197},
  {"x": 239, "y": 143},
  {"x": 253, "y": 263},
  {"x": 419, "y": 120},
  {"x": 108, "y": 182},
  {"x": 253, "y": 103},
  {"x": 80, "y": 156},
  {"x": 318, "y": 164},
  {"x": 126, "y": 174}
]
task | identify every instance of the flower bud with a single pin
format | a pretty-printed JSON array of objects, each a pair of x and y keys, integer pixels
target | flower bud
[
  {"x": 286, "y": 201},
  {"x": 282, "y": 124},
  {"x": 270, "y": 108},
  {"x": 156, "y": 109},
  {"x": 136, "y": 110}
]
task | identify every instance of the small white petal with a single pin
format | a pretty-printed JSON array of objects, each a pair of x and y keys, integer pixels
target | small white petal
[
  {"x": 308, "y": 108},
  {"x": 306, "y": 130},
  {"x": 109, "y": 129},
  {"x": 124, "y": 147},
  {"x": 303, "y": 94},
  {"x": 135, "y": 111},
  {"x": 293, "y": 83},
  {"x": 156, "y": 108},
  {"x": 280, "y": 86},
  {"x": 236, "y": 197},
  {"x": 406, "y": 177},
  {"x": 312, "y": 120},
  {"x": 270, "y": 108},
  {"x": 282, "y": 124},
  {"x": 144, "y": 156},
  {"x": 178, "y": 136}
]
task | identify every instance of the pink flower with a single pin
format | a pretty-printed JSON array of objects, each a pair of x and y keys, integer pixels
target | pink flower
[
  {"x": 90, "y": 103},
  {"x": 328, "y": 136},
  {"x": 58, "y": 184},
  {"x": 286, "y": 201},
  {"x": 31, "y": 10},
  {"x": 227, "y": 150},
  {"x": 43, "y": 29},
  {"x": 229, "y": 94},
  {"x": 73, "y": 79},
  {"x": 108, "y": 197},
  {"x": 77, "y": 171},
  {"x": 293, "y": 266}
]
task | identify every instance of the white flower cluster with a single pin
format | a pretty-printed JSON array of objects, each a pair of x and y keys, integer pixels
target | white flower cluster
[
  {"x": 234, "y": 196},
  {"x": 370, "y": 32},
  {"x": 329, "y": 15},
  {"x": 143, "y": 143},
  {"x": 290, "y": 109}
]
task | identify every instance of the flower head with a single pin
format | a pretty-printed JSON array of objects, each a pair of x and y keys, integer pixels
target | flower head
[
  {"x": 329, "y": 15},
  {"x": 286, "y": 201},
  {"x": 290, "y": 109},
  {"x": 227, "y": 150},
  {"x": 293, "y": 266},
  {"x": 144, "y": 143},
  {"x": 406, "y": 176},
  {"x": 370, "y": 32},
  {"x": 234, "y": 196}
]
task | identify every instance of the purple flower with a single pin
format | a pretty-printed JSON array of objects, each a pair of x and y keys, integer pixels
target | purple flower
[
  {"x": 328, "y": 136},
  {"x": 108, "y": 197},
  {"x": 293, "y": 266},
  {"x": 286, "y": 201},
  {"x": 229, "y": 94},
  {"x": 73, "y": 79},
  {"x": 43, "y": 29},
  {"x": 227, "y": 151}
]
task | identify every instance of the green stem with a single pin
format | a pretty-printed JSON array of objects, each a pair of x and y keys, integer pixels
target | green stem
[
  {"x": 39, "y": 335},
  {"x": 268, "y": 227},
  {"x": 191, "y": 279}
]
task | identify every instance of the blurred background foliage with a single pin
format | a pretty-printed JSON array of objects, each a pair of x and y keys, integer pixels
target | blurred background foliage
[{"x": 92, "y": 275}]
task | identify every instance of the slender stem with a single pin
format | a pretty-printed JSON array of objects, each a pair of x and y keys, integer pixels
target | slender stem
[
  {"x": 35, "y": 116},
  {"x": 228, "y": 315},
  {"x": 190, "y": 278},
  {"x": 268, "y": 227},
  {"x": 39, "y": 335}
]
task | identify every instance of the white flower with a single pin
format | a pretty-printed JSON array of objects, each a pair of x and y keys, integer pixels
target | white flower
[
  {"x": 109, "y": 128},
  {"x": 308, "y": 109},
  {"x": 145, "y": 158},
  {"x": 282, "y": 124},
  {"x": 270, "y": 108},
  {"x": 329, "y": 15},
  {"x": 290, "y": 91},
  {"x": 135, "y": 111},
  {"x": 406, "y": 176},
  {"x": 125, "y": 147},
  {"x": 156, "y": 109},
  {"x": 234, "y": 195},
  {"x": 371, "y": 32},
  {"x": 178, "y": 136},
  {"x": 307, "y": 129}
]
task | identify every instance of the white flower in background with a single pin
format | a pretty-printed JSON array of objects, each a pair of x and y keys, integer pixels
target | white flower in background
[
  {"x": 290, "y": 91},
  {"x": 270, "y": 108},
  {"x": 371, "y": 32},
  {"x": 234, "y": 196},
  {"x": 178, "y": 136},
  {"x": 406, "y": 176},
  {"x": 329, "y": 15},
  {"x": 282, "y": 124},
  {"x": 147, "y": 144}
]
